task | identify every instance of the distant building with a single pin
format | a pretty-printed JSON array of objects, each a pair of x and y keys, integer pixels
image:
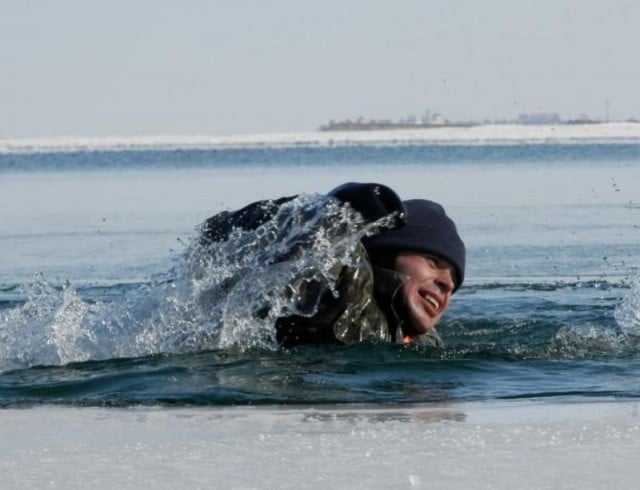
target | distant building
[
  {"x": 438, "y": 120},
  {"x": 539, "y": 118},
  {"x": 426, "y": 121}
]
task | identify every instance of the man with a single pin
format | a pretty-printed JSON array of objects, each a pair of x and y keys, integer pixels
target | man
[
  {"x": 394, "y": 283},
  {"x": 423, "y": 262}
]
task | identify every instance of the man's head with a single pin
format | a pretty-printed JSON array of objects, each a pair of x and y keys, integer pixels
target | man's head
[
  {"x": 429, "y": 253},
  {"x": 427, "y": 287}
]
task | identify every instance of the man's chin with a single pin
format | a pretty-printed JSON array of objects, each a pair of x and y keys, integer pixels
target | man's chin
[{"x": 421, "y": 321}]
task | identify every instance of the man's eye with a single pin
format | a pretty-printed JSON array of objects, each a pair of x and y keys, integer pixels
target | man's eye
[{"x": 432, "y": 261}]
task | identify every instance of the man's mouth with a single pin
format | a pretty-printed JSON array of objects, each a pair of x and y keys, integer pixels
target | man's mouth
[{"x": 433, "y": 301}]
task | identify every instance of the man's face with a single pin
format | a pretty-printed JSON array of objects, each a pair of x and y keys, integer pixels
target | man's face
[{"x": 427, "y": 288}]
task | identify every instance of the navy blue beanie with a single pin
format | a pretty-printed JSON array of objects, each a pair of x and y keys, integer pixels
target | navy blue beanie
[{"x": 428, "y": 229}]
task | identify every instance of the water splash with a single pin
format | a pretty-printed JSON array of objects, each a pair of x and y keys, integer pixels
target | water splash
[
  {"x": 591, "y": 342},
  {"x": 228, "y": 295},
  {"x": 220, "y": 295},
  {"x": 627, "y": 312}
]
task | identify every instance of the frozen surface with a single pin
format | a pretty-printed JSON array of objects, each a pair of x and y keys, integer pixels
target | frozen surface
[{"x": 582, "y": 445}]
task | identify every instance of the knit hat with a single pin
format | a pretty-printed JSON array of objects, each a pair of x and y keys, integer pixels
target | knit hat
[{"x": 428, "y": 229}]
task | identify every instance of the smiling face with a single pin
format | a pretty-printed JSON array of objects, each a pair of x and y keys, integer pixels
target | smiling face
[{"x": 427, "y": 289}]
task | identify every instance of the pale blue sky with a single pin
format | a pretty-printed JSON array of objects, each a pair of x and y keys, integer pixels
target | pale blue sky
[{"x": 86, "y": 68}]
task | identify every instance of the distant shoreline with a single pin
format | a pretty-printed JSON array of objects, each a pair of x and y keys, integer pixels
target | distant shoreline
[{"x": 493, "y": 134}]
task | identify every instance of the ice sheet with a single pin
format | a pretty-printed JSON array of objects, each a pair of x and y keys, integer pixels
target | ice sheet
[{"x": 536, "y": 445}]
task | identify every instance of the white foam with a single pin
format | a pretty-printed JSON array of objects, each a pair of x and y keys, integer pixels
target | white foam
[
  {"x": 525, "y": 445},
  {"x": 486, "y": 134}
]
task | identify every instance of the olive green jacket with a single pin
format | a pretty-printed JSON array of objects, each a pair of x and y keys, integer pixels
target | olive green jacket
[{"x": 361, "y": 311}]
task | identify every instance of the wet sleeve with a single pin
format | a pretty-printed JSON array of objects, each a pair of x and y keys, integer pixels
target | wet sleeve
[
  {"x": 361, "y": 319},
  {"x": 351, "y": 315}
]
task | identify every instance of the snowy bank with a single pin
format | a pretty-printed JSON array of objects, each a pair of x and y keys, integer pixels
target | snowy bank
[{"x": 475, "y": 135}]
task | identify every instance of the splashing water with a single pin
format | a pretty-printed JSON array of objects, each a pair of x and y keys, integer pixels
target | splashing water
[
  {"x": 220, "y": 295},
  {"x": 627, "y": 313},
  {"x": 47, "y": 329},
  {"x": 228, "y": 295}
]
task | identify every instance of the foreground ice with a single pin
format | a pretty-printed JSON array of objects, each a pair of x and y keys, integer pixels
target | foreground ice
[{"x": 585, "y": 445}]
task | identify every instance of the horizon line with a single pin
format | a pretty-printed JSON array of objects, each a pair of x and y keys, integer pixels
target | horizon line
[{"x": 596, "y": 132}]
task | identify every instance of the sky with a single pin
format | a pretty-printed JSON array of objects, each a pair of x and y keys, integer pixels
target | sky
[{"x": 220, "y": 67}]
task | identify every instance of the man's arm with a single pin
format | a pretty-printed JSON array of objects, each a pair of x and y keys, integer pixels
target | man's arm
[{"x": 217, "y": 228}]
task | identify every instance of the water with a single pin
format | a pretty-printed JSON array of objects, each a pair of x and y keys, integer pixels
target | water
[{"x": 101, "y": 293}]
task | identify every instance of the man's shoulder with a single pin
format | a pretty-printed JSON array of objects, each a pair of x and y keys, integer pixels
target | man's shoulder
[{"x": 218, "y": 227}]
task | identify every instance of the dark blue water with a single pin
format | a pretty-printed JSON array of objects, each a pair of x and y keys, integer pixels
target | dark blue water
[
  {"x": 555, "y": 313},
  {"x": 474, "y": 366},
  {"x": 266, "y": 157},
  {"x": 502, "y": 341}
]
